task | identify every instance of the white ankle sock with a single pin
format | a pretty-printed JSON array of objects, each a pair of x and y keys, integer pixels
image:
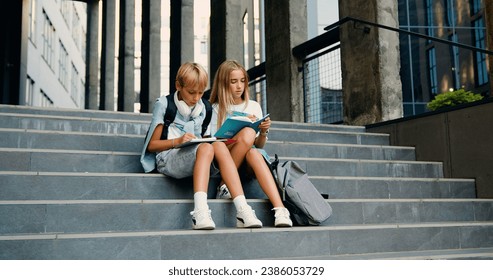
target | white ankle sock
[
  {"x": 200, "y": 200},
  {"x": 240, "y": 202}
]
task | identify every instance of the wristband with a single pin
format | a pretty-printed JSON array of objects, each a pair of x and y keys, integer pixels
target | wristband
[{"x": 264, "y": 133}]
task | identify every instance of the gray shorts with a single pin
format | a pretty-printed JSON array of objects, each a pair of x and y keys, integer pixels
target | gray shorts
[{"x": 179, "y": 163}]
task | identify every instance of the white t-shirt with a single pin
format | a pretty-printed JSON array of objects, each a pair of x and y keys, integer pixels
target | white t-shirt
[{"x": 252, "y": 108}]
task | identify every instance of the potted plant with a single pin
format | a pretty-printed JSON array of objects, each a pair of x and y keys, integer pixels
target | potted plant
[{"x": 453, "y": 98}]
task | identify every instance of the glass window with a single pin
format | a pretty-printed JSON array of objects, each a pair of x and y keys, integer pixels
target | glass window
[
  {"x": 48, "y": 40},
  {"x": 480, "y": 58},
  {"x": 432, "y": 71},
  {"x": 451, "y": 17},
  {"x": 74, "y": 88},
  {"x": 62, "y": 65},
  {"x": 32, "y": 21},
  {"x": 454, "y": 61},
  {"x": 29, "y": 91},
  {"x": 429, "y": 18},
  {"x": 475, "y": 6},
  {"x": 45, "y": 100}
]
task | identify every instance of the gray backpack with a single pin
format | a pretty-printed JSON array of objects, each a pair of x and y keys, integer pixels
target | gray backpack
[{"x": 304, "y": 202}]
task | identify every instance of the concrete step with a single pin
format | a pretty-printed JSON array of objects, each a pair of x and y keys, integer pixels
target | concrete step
[
  {"x": 346, "y": 151},
  {"x": 450, "y": 254},
  {"x": 16, "y": 185},
  {"x": 96, "y": 115},
  {"x": 88, "y": 141},
  {"x": 65, "y": 112},
  {"x": 336, "y": 137},
  {"x": 72, "y": 187},
  {"x": 328, "y": 241},
  {"x": 78, "y": 216},
  {"x": 117, "y": 162},
  {"x": 53, "y": 139},
  {"x": 73, "y": 124},
  {"x": 19, "y": 156}
]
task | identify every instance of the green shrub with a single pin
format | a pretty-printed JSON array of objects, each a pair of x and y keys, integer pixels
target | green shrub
[{"x": 452, "y": 98}]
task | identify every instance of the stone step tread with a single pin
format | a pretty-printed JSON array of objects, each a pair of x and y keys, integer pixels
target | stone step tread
[
  {"x": 32, "y": 138},
  {"x": 35, "y": 216},
  {"x": 265, "y": 229},
  {"x": 61, "y": 132},
  {"x": 72, "y": 112},
  {"x": 228, "y": 201},
  {"x": 449, "y": 254},
  {"x": 106, "y": 161},
  {"x": 39, "y": 117},
  {"x": 273, "y": 129},
  {"x": 22, "y": 120},
  {"x": 139, "y": 117},
  {"x": 271, "y": 142},
  {"x": 281, "y": 158},
  {"x": 16, "y": 185},
  {"x": 157, "y": 175},
  {"x": 233, "y": 243},
  {"x": 308, "y": 149}
]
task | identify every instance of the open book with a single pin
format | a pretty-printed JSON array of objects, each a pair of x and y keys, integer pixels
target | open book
[
  {"x": 198, "y": 141},
  {"x": 234, "y": 124}
]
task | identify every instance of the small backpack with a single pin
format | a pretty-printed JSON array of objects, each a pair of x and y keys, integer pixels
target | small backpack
[{"x": 304, "y": 202}]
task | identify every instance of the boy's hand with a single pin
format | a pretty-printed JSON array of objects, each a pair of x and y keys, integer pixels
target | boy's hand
[{"x": 186, "y": 137}]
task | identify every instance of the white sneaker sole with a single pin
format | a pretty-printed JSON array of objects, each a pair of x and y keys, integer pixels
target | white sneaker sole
[{"x": 240, "y": 224}]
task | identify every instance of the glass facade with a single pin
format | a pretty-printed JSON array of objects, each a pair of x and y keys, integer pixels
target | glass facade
[{"x": 429, "y": 67}]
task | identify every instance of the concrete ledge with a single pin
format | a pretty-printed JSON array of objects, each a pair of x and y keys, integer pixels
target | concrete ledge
[{"x": 460, "y": 137}]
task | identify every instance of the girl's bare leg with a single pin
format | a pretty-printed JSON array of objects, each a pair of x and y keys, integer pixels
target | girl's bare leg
[
  {"x": 264, "y": 177},
  {"x": 228, "y": 169},
  {"x": 244, "y": 142}
]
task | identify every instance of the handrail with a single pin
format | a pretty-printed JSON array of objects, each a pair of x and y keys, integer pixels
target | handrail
[
  {"x": 399, "y": 30},
  {"x": 332, "y": 37},
  {"x": 256, "y": 71}
]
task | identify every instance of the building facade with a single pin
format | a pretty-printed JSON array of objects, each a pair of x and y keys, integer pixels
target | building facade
[
  {"x": 430, "y": 67},
  {"x": 56, "y": 54}
]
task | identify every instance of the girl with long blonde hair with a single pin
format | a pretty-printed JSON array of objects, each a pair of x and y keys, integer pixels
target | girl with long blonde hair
[{"x": 229, "y": 96}]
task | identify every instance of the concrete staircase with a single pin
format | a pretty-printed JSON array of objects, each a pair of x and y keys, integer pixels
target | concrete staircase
[{"x": 71, "y": 187}]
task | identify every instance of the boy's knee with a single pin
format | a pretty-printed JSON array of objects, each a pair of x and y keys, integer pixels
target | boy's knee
[
  {"x": 205, "y": 149},
  {"x": 219, "y": 147}
]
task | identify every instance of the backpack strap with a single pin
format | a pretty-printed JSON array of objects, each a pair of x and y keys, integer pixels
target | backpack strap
[
  {"x": 170, "y": 114},
  {"x": 208, "y": 115}
]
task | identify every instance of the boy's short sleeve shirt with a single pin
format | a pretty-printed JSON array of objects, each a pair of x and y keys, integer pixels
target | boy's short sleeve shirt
[{"x": 148, "y": 159}]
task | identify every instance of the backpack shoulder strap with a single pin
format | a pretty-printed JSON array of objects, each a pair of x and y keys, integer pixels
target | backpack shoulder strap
[
  {"x": 208, "y": 115},
  {"x": 169, "y": 115}
]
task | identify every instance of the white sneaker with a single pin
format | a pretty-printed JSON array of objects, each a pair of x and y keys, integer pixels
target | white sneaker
[
  {"x": 282, "y": 218},
  {"x": 246, "y": 218},
  {"x": 223, "y": 192},
  {"x": 202, "y": 219}
]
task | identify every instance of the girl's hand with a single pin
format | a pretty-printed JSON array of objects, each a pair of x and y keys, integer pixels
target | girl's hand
[
  {"x": 253, "y": 118},
  {"x": 265, "y": 125}
]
